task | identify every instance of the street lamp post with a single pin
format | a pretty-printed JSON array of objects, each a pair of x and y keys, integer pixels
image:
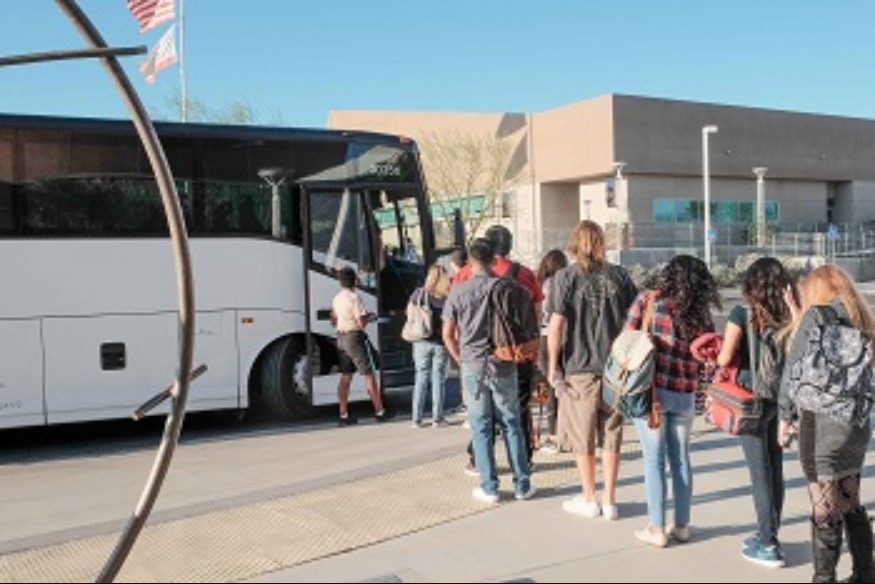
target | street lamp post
[
  {"x": 621, "y": 194},
  {"x": 760, "y": 172},
  {"x": 275, "y": 177},
  {"x": 587, "y": 203},
  {"x": 706, "y": 178}
]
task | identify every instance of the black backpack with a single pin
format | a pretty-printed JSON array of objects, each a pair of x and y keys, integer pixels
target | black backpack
[
  {"x": 768, "y": 369},
  {"x": 515, "y": 334}
]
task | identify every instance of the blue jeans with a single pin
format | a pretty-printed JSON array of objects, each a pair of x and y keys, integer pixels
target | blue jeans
[
  {"x": 431, "y": 361},
  {"x": 494, "y": 400},
  {"x": 671, "y": 440},
  {"x": 765, "y": 460}
]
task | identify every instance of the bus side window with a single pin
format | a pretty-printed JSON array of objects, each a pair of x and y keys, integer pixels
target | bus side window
[{"x": 7, "y": 222}]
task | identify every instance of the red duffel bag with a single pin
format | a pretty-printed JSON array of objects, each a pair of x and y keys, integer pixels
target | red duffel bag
[{"x": 733, "y": 408}]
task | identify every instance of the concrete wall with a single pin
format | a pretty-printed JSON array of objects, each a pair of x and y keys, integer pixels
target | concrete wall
[
  {"x": 657, "y": 136},
  {"x": 855, "y": 202},
  {"x": 574, "y": 142},
  {"x": 560, "y": 213}
]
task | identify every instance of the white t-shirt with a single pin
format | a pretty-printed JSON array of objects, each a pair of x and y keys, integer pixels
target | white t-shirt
[{"x": 348, "y": 309}]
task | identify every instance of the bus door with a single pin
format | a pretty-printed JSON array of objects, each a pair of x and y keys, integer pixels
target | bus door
[
  {"x": 400, "y": 247},
  {"x": 338, "y": 235}
]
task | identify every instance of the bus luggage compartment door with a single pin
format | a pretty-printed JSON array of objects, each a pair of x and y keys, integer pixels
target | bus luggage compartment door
[
  {"x": 21, "y": 374},
  {"x": 105, "y": 366}
]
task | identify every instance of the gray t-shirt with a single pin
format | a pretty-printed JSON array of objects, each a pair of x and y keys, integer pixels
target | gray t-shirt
[
  {"x": 468, "y": 307},
  {"x": 595, "y": 305}
]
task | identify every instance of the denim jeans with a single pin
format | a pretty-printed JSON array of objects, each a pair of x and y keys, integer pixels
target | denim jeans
[
  {"x": 431, "y": 360},
  {"x": 672, "y": 441},
  {"x": 765, "y": 460},
  {"x": 494, "y": 400}
]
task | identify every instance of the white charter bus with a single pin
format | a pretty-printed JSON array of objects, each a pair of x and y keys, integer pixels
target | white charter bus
[{"x": 88, "y": 305}]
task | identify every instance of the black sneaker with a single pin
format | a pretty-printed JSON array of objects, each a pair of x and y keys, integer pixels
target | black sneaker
[
  {"x": 344, "y": 421},
  {"x": 383, "y": 417}
]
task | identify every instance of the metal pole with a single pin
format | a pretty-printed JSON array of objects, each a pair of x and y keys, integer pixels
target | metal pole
[
  {"x": 276, "y": 210},
  {"x": 185, "y": 289},
  {"x": 183, "y": 81},
  {"x": 706, "y": 179},
  {"x": 71, "y": 55},
  {"x": 761, "y": 206}
]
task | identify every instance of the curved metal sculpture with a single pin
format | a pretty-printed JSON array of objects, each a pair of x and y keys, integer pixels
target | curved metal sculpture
[{"x": 185, "y": 288}]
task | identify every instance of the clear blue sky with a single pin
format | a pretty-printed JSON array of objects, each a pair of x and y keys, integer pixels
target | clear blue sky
[{"x": 303, "y": 58}]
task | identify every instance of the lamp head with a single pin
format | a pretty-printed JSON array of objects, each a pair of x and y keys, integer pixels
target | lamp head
[
  {"x": 618, "y": 168},
  {"x": 273, "y": 175},
  {"x": 709, "y": 130},
  {"x": 760, "y": 171}
]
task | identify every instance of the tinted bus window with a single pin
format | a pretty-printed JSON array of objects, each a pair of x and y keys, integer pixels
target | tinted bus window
[
  {"x": 7, "y": 156},
  {"x": 378, "y": 163},
  {"x": 92, "y": 207},
  {"x": 7, "y": 220}
]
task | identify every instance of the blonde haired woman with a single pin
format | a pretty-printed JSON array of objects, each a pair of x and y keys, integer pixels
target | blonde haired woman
[
  {"x": 832, "y": 452},
  {"x": 430, "y": 355}
]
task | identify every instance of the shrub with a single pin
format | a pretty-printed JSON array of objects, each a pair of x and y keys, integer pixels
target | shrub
[{"x": 726, "y": 276}]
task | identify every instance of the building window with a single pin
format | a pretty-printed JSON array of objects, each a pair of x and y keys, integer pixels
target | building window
[{"x": 722, "y": 212}]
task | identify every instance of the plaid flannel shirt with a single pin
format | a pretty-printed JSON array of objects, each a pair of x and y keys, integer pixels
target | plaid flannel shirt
[{"x": 676, "y": 369}]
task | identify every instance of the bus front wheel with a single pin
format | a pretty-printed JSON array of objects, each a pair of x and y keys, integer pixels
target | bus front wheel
[{"x": 284, "y": 387}]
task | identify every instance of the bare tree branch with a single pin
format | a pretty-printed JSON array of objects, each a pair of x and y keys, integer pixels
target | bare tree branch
[{"x": 462, "y": 167}]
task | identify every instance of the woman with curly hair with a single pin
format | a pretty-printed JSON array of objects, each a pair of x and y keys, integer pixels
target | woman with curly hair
[
  {"x": 765, "y": 284},
  {"x": 682, "y": 312}
]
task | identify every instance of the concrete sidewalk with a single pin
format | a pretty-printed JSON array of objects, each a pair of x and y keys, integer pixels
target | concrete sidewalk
[
  {"x": 375, "y": 502},
  {"x": 536, "y": 541}
]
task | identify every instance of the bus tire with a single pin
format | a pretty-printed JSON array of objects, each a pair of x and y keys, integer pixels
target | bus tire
[{"x": 283, "y": 387}]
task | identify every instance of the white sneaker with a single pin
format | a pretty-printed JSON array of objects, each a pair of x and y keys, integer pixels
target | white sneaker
[
  {"x": 484, "y": 497},
  {"x": 533, "y": 490},
  {"x": 579, "y": 506},
  {"x": 610, "y": 512}
]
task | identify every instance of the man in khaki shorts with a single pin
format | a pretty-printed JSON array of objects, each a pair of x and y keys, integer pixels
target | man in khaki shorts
[
  {"x": 355, "y": 351},
  {"x": 588, "y": 304}
]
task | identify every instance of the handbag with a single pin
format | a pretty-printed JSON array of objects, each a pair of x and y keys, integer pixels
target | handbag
[
  {"x": 419, "y": 325},
  {"x": 734, "y": 408}
]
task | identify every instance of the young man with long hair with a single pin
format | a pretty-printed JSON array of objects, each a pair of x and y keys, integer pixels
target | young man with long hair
[{"x": 588, "y": 304}]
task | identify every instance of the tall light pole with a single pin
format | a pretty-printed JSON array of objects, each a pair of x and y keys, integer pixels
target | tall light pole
[
  {"x": 706, "y": 178},
  {"x": 620, "y": 197},
  {"x": 761, "y": 205},
  {"x": 275, "y": 177}
]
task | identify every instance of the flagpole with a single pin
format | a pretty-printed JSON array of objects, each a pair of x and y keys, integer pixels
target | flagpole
[{"x": 183, "y": 85}]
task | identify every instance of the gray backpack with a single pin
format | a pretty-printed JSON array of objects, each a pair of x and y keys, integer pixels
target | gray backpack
[{"x": 834, "y": 375}]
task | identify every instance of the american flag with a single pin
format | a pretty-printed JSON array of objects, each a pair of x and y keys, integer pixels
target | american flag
[
  {"x": 162, "y": 56},
  {"x": 151, "y": 13}
]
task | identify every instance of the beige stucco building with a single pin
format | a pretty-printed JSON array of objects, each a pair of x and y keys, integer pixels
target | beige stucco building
[{"x": 821, "y": 169}]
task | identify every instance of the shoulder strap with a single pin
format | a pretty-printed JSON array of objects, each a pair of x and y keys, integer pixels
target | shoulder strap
[
  {"x": 647, "y": 321},
  {"x": 514, "y": 270},
  {"x": 751, "y": 348},
  {"x": 646, "y": 324}
]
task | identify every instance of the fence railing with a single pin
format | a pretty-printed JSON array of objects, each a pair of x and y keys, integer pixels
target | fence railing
[{"x": 650, "y": 243}]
